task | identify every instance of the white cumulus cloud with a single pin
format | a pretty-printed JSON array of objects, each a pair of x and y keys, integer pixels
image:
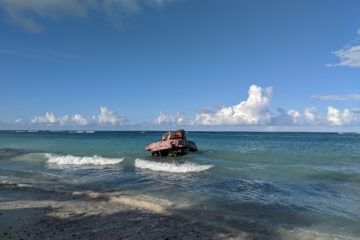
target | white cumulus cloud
[
  {"x": 310, "y": 115},
  {"x": 286, "y": 118},
  {"x": 176, "y": 119},
  {"x": 48, "y": 118},
  {"x": 337, "y": 117},
  {"x": 294, "y": 115},
  {"x": 79, "y": 120},
  {"x": 253, "y": 111},
  {"x": 106, "y": 117}
]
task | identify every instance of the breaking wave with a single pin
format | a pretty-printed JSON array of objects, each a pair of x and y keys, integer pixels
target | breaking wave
[
  {"x": 81, "y": 131},
  {"x": 74, "y": 160},
  {"x": 171, "y": 167}
]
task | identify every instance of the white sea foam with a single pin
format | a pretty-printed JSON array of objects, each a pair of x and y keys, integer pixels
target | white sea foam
[
  {"x": 74, "y": 160},
  {"x": 171, "y": 167},
  {"x": 80, "y": 131},
  {"x": 26, "y": 131}
]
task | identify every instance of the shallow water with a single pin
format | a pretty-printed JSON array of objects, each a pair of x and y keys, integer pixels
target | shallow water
[{"x": 304, "y": 182}]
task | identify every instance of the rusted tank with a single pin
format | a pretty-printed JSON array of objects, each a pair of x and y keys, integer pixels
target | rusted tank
[{"x": 173, "y": 143}]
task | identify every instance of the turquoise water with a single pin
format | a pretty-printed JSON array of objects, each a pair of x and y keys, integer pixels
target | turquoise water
[{"x": 257, "y": 182}]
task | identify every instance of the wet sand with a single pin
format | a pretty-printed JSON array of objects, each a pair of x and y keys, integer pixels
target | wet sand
[
  {"x": 30, "y": 214},
  {"x": 44, "y": 215}
]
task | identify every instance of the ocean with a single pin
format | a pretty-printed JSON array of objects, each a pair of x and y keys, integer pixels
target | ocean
[{"x": 303, "y": 183}]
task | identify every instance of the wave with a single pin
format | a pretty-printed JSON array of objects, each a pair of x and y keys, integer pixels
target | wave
[
  {"x": 25, "y": 131},
  {"x": 348, "y": 133},
  {"x": 75, "y": 160},
  {"x": 170, "y": 167},
  {"x": 139, "y": 201},
  {"x": 81, "y": 131}
]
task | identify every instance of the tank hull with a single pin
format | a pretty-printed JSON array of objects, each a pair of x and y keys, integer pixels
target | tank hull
[{"x": 172, "y": 144}]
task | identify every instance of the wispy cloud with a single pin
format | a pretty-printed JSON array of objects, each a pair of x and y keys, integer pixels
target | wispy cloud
[
  {"x": 26, "y": 14},
  {"x": 347, "y": 97},
  {"x": 19, "y": 121},
  {"x": 349, "y": 56},
  {"x": 19, "y": 54},
  {"x": 42, "y": 54}
]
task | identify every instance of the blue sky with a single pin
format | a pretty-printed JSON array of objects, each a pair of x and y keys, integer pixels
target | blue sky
[{"x": 152, "y": 64}]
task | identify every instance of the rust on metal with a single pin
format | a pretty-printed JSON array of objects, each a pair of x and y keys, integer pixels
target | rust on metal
[{"x": 172, "y": 143}]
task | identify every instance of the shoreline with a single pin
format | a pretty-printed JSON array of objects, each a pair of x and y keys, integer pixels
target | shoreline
[
  {"x": 26, "y": 214},
  {"x": 32, "y": 214}
]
